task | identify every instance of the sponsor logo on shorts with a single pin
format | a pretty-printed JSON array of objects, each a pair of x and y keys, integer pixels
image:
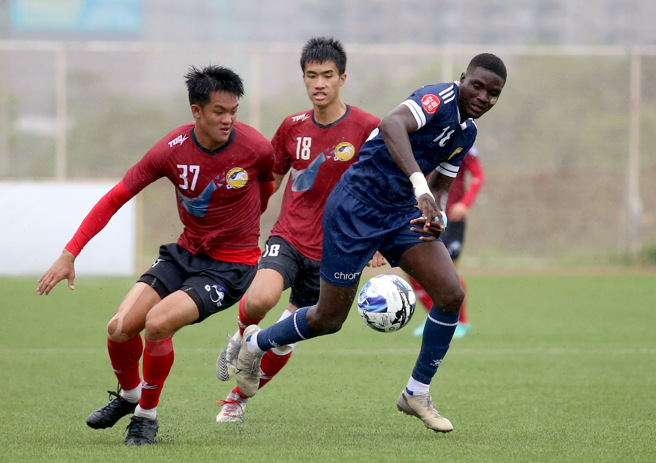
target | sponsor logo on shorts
[
  {"x": 344, "y": 151},
  {"x": 346, "y": 276},
  {"x": 430, "y": 103}
]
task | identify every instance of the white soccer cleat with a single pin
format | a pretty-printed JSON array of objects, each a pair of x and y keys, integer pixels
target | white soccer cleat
[
  {"x": 248, "y": 365},
  {"x": 422, "y": 407},
  {"x": 232, "y": 409},
  {"x": 226, "y": 363}
]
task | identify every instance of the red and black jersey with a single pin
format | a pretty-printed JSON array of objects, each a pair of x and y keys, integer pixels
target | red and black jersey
[
  {"x": 218, "y": 192},
  {"x": 317, "y": 156}
]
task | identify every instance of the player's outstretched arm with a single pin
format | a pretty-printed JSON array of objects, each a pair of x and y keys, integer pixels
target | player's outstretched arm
[
  {"x": 95, "y": 221},
  {"x": 63, "y": 268}
]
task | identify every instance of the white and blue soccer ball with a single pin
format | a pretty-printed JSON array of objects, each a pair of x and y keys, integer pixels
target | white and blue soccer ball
[{"x": 386, "y": 303}]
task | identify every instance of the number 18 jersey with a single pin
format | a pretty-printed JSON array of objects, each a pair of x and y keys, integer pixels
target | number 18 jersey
[{"x": 317, "y": 156}]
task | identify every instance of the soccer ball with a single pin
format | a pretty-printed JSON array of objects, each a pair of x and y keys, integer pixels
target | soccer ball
[{"x": 386, "y": 303}]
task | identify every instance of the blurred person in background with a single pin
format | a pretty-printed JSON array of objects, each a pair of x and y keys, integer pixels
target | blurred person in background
[
  {"x": 317, "y": 146},
  {"x": 463, "y": 193},
  {"x": 222, "y": 173},
  {"x": 384, "y": 202}
]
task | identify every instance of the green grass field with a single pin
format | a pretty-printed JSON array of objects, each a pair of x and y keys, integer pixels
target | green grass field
[{"x": 557, "y": 368}]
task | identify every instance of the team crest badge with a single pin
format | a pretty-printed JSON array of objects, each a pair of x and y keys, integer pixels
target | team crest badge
[
  {"x": 344, "y": 151},
  {"x": 236, "y": 178},
  {"x": 430, "y": 103}
]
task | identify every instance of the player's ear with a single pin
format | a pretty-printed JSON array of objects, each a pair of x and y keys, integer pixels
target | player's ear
[
  {"x": 195, "y": 110},
  {"x": 342, "y": 79}
]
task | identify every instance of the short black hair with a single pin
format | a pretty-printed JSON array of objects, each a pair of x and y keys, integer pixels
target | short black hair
[
  {"x": 201, "y": 83},
  {"x": 322, "y": 49},
  {"x": 490, "y": 62}
]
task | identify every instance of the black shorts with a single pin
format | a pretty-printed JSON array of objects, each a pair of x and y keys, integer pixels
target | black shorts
[
  {"x": 299, "y": 272},
  {"x": 454, "y": 238},
  {"x": 213, "y": 285}
]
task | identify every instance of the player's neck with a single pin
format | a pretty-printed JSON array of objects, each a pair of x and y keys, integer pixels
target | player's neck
[{"x": 329, "y": 114}]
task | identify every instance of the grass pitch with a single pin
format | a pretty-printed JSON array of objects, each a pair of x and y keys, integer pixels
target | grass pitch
[{"x": 557, "y": 368}]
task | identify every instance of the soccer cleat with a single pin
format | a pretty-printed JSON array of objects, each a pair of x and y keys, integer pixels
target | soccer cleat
[
  {"x": 141, "y": 431},
  {"x": 462, "y": 330},
  {"x": 232, "y": 408},
  {"x": 107, "y": 416},
  {"x": 422, "y": 407},
  {"x": 227, "y": 361},
  {"x": 248, "y": 365}
]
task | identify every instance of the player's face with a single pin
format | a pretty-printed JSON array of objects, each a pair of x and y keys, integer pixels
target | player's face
[
  {"x": 322, "y": 81},
  {"x": 214, "y": 120},
  {"x": 479, "y": 91}
]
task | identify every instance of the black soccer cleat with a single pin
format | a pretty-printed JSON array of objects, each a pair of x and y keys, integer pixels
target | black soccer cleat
[
  {"x": 141, "y": 431},
  {"x": 107, "y": 416}
]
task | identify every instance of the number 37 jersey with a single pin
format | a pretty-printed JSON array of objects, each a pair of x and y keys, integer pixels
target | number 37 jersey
[
  {"x": 317, "y": 156},
  {"x": 218, "y": 192}
]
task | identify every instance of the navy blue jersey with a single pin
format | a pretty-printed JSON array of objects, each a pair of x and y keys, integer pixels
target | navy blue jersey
[{"x": 440, "y": 143}]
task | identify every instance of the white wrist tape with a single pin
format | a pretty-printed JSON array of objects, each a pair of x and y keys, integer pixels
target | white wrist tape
[{"x": 420, "y": 185}]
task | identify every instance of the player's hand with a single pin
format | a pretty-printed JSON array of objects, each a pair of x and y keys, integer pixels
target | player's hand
[
  {"x": 377, "y": 260},
  {"x": 429, "y": 210},
  {"x": 429, "y": 230},
  {"x": 63, "y": 268}
]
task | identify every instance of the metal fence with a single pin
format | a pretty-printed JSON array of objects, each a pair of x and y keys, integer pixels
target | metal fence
[{"x": 568, "y": 151}]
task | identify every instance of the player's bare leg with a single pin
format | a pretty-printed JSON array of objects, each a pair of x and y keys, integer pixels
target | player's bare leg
[{"x": 331, "y": 311}]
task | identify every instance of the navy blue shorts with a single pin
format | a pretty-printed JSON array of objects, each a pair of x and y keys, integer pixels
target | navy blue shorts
[
  {"x": 354, "y": 231},
  {"x": 454, "y": 238},
  {"x": 213, "y": 285},
  {"x": 299, "y": 272}
]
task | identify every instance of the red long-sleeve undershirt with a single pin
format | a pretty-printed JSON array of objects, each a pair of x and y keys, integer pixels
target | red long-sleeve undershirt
[
  {"x": 98, "y": 217},
  {"x": 112, "y": 201}
]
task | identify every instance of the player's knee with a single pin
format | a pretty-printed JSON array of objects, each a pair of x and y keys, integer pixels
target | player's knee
[
  {"x": 448, "y": 298},
  {"x": 157, "y": 328},
  {"x": 258, "y": 305},
  {"x": 452, "y": 298},
  {"x": 115, "y": 331}
]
